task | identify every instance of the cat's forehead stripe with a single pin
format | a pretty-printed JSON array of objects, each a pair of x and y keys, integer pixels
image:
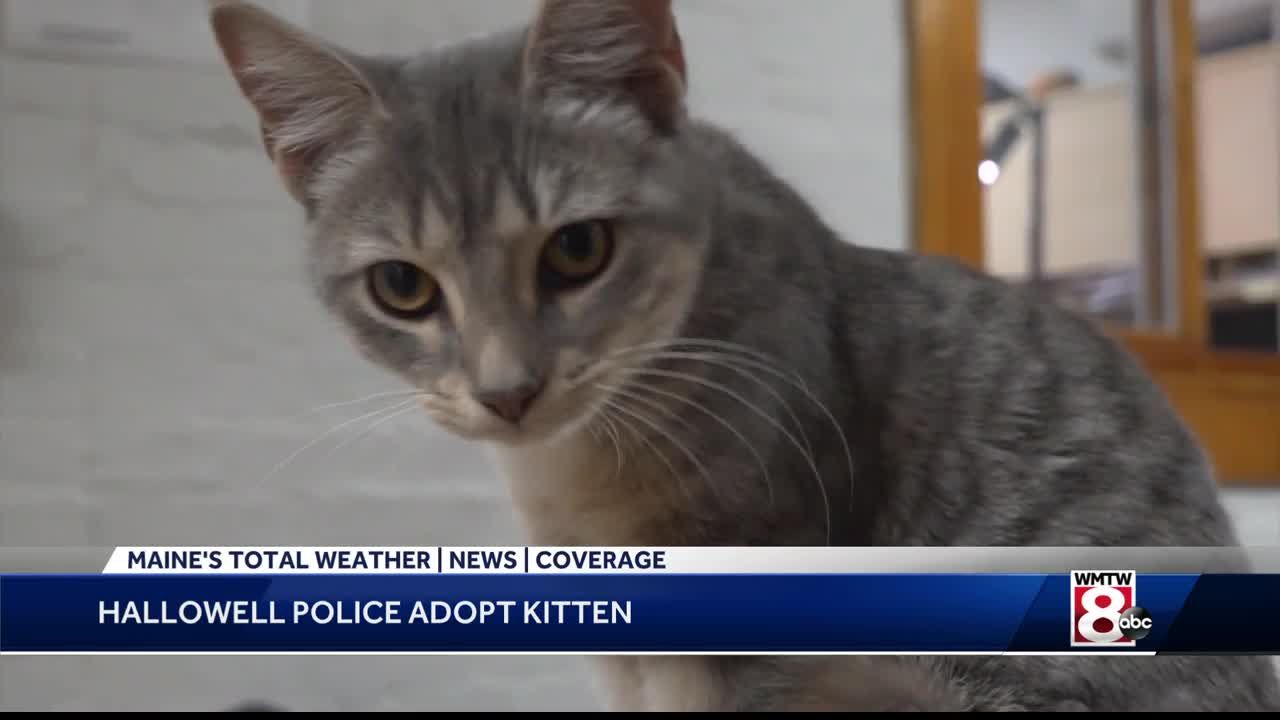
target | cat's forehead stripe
[
  {"x": 509, "y": 215},
  {"x": 434, "y": 234},
  {"x": 523, "y": 192},
  {"x": 435, "y": 210},
  {"x": 556, "y": 187},
  {"x": 503, "y": 207}
]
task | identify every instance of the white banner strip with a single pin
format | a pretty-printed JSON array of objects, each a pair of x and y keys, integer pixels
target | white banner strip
[
  {"x": 561, "y": 653},
  {"x": 242, "y": 560}
]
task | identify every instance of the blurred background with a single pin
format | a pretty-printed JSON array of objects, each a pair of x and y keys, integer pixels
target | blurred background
[
  {"x": 163, "y": 367},
  {"x": 1129, "y": 168},
  {"x": 1074, "y": 111}
]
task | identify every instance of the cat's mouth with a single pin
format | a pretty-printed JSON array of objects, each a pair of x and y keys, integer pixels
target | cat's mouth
[
  {"x": 557, "y": 412},
  {"x": 572, "y": 401}
]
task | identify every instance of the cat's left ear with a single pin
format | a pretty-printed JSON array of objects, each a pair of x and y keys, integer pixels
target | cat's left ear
[
  {"x": 311, "y": 98},
  {"x": 624, "y": 52}
]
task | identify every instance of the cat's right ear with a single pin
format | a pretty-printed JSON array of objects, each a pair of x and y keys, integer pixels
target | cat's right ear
[
  {"x": 309, "y": 96},
  {"x": 602, "y": 52}
]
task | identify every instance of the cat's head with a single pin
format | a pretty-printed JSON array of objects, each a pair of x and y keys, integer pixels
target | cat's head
[{"x": 498, "y": 222}]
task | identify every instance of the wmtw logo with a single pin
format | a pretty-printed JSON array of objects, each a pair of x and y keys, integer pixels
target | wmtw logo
[{"x": 1104, "y": 609}]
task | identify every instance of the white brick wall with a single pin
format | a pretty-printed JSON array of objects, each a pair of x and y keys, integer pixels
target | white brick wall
[{"x": 157, "y": 344}]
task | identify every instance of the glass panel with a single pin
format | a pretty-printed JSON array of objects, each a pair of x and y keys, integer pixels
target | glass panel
[
  {"x": 1070, "y": 126},
  {"x": 1238, "y": 166}
]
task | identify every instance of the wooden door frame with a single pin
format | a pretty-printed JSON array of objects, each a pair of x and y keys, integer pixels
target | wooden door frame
[{"x": 1230, "y": 399}]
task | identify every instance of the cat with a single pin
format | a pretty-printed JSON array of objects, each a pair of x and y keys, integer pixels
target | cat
[{"x": 664, "y": 343}]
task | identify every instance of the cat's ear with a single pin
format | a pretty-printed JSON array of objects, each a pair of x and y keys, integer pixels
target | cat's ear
[
  {"x": 605, "y": 51},
  {"x": 309, "y": 96}
]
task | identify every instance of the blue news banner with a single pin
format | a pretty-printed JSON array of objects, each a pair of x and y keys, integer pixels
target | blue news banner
[{"x": 639, "y": 613}]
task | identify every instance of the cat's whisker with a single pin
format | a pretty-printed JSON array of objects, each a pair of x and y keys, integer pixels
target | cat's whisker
[
  {"x": 396, "y": 411},
  {"x": 764, "y": 468},
  {"x": 799, "y": 384},
  {"x": 676, "y": 343},
  {"x": 623, "y": 424},
  {"x": 357, "y": 401},
  {"x": 755, "y": 359},
  {"x": 623, "y": 391},
  {"x": 766, "y": 363},
  {"x": 641, "y": 417},
  {"x": 690, "y": 341},
  {"x": 611, "y": 430},
  {"x": 336, "y": 428},
  {"x": 822, "y": 487},
  {"x": 721, "y": 348},
  {"x": 724, "y": 360},
  {"x": 669, "y": 414}
]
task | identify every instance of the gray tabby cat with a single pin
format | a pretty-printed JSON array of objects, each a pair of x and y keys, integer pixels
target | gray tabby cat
[{"x": 666, "y": 345}]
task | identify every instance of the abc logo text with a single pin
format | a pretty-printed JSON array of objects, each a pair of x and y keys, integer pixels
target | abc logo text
[{"x": 1105, "y": 610}]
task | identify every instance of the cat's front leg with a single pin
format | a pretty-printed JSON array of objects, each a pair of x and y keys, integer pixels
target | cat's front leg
[
  {"x": 787, "y": 684},
  {"x": 662, "y": 684},
  {"x": 851, "y": 684}
]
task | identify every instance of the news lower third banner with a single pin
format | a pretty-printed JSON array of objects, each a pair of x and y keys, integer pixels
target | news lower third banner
[{"x": 545, "y": 600}]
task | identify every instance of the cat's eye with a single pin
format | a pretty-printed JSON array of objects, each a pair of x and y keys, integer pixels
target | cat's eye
[
  {"x": 403, "y": 290},
  {"x": 575, "y": 254}
]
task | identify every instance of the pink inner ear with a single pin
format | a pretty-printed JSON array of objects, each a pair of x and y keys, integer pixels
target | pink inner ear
[
  {"x": 233, "y": 51},
  {"x": 301, "y": 74},
  {"x": 659, "y": 86},
  {"x": 230, "y": 41},
  {"x": 674, "y": 54},
  {"x": 656, "y": 15}
]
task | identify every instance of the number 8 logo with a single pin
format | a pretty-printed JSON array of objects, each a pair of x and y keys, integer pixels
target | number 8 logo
[{"x": 1089, "y": 600}]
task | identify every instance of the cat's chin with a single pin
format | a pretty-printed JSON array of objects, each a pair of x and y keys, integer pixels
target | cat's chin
[
  {"x": 543, "y": 432},
  {"x": 516, "y": 437},
  {"x": 506, "y": 435},
  {"x": 548, "y": 433}
]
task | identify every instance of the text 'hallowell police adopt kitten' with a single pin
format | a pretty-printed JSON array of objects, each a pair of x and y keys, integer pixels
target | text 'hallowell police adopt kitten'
[{"x": 666, "y": 345}]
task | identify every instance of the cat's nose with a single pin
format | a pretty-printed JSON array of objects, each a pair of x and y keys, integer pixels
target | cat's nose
[{"x": 510, "y": 403}]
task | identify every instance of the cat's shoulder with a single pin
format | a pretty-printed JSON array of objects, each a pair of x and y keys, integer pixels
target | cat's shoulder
[
  {"x": 948, "y": 281},
  {"x": 945, "y": 298}
]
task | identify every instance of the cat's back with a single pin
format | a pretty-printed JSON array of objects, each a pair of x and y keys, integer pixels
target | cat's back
[
  {"x": 934, "y": 307},
  {"x": 988, "y": 413},
  {"x": 1009, "y": 419}
]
